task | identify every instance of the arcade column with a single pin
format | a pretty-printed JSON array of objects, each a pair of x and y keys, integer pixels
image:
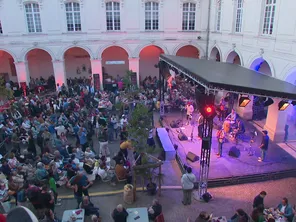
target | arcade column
[
  {"x": 96, "y": 67},
  {"x": 134, "y": 65},
  {"x": 22, "y": 71},
  {"x": 276, "y": 121},
  {"x": 246, "y": 112},
  {"x": 59, "y": 72}
]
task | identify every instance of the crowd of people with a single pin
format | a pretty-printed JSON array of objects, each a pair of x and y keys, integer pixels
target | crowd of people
[{"x": 62, "y": 140}]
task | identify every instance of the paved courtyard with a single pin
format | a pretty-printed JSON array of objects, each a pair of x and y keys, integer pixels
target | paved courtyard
[{"x": 226, "y": 200}]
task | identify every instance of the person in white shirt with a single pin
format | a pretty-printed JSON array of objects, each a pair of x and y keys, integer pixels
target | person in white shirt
[
  {"x": 188, "y": 179},
  {"x": 123, "y": 121},
  {"x": 60, "y": 129}
]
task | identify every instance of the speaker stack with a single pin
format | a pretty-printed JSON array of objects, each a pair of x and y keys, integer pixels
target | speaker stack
[{"x": 192, "y": 157}]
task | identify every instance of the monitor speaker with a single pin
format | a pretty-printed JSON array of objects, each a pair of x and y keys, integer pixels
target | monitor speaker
[
  {"x": 192, "y": 157},
  {"x": 182, "y": 136},
  {"x": 207, "y": 197},
  {"x": 234, "y": 152},
  {"x": 173, "y": 124}
]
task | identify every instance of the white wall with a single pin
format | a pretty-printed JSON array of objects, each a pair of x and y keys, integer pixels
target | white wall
[{"x": 279, "y": 50}]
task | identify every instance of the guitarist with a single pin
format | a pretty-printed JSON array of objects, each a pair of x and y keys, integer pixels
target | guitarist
[{"x": 221, "y": 140}]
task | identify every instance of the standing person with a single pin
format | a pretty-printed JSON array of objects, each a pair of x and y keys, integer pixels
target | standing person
[
  {"x": 80, "y": 185},
  {"x": 189, "y": 112},
  {"x": 46, "y": 198},
  {"x": 188, "y": 179},
  {"x": 264, "y": 146},
  {"x": 83, "y": 138},
  {"x": 259, "y": 200},
  {"x": 115, "y": 125},
  {"x": 221, "y": 139},
  {"x": 31, "y": 145}
]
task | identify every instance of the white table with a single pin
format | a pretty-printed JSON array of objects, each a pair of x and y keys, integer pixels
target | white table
[
  {"x": 68, "y": 213},
  {"x": 133, "y": 213}
]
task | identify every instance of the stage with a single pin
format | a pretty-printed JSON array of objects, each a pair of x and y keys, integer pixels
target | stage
[{"x": 230, "y": 170}]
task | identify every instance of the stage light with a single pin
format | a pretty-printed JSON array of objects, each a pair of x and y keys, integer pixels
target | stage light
[
  {"x": 268, "y": 102},
  {"x": 208, "y": 112},
  {"x": 283, "y": 105},
  {"x": 244, "y": 101},
  {"x": 293, "y": 103}
]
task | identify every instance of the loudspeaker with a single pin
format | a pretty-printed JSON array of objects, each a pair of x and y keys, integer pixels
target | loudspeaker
[
  {"x": 182, "y": 136},
  {"x": 207, "y": 197},
  {"x": 173, "y": 124},
  {"x": 192, "y": 157},
  {"x": 234, "y": 152}
]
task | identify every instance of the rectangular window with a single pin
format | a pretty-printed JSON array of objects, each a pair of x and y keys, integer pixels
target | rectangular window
[
  {"x": 73, "y": 17},
  {"x": 188, "y": 20},
  {"x": 33, "y": 17},
  {"x": 151, "y": 16},
  {"x": 239, "y": 16},
  {"x": 218, "y": 15},
  {"x": 268, "y": 20},
  {"x": 113, "y": 16}
]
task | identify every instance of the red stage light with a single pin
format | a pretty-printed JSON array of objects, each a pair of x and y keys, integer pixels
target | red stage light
[{"x": 209, "y": 110}]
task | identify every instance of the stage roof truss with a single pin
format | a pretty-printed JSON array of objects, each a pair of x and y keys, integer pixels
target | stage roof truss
[{"x": 242, "y": 80}]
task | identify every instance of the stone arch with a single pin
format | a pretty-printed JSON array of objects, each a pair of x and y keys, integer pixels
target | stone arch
[
  {"x": 63, "y": 51},
  {"x": 100, "y": 51},
  {"x": 15, "y": 58},
  {"x": 199, "y": 48},
  {"x": 141, "y": 47},
  {"x": 26, "y": 52},
  {"x": 227, "y": 57},
  {"x": 212, "y": 54},
  {"x": 258, "y": 59}
]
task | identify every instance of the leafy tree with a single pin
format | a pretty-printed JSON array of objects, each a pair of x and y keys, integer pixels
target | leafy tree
[
  {"x": 140, "y": 123},
  {"x": 4, "y": 92}
]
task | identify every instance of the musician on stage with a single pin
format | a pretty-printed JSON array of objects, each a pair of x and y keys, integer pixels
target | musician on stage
[
  {"x": 189, "y": 111},
  {"x": 221, "y": 140},
  {"x": 232, "y": 117}
]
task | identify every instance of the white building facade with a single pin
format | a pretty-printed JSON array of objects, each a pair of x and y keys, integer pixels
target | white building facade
[{"x": 73, "y": 38}]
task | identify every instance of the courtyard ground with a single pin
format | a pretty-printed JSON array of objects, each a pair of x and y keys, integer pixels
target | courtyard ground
[{"x": 224, "y": 203}]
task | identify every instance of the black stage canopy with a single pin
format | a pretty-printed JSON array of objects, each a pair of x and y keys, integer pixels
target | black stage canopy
[{"x": 231, "y": 77}]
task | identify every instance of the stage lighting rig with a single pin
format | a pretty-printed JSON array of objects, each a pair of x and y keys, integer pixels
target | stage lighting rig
[
  {"x": 268, "y": 102},
  {"x": 244, "y": 101},
  {"x": 283, "y": 105}
]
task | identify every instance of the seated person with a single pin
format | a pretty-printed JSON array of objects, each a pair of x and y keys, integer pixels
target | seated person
[
  {"x": 41, "y": 173},
  {"x": 119, "y": 214},
  {"x": 122, "y": 172},
  {"x": 240, "y": 216},
  {"x": 232, "y": 117},
  {"x": 203, "y": 217},
  {"x": 4, "y": 196},
  {"x": 71, "y": 169},
  {"x": 155, "y": 210},
  {"x": 88, "y": 165},
  {"x": 89, "y": 207},
  {"x": 78, "y": 153},
  {"x": 285, "y": 209},
  {"x": 89, "y": 152},
  {"x": 5, "y": 168}
]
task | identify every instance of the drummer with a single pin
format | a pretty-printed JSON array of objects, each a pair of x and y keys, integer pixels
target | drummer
[{"x": 232, "y": 117}]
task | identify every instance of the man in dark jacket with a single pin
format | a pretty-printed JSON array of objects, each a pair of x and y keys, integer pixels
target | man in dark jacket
[
  {"x": 259, "y": 200},
  {"x": 119, "y": 214}
]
